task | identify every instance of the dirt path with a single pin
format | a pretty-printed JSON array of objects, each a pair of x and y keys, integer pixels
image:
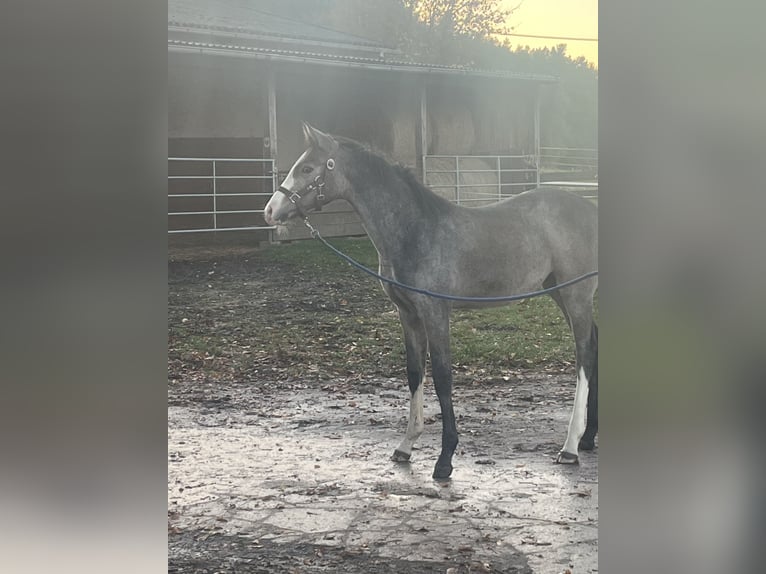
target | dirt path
[
  {"x": 298, "y": 479},
  {"x": 269, "y": 472}
]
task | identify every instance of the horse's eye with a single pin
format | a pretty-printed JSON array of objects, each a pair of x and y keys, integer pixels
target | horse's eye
[{"x": 307, "y": 169}]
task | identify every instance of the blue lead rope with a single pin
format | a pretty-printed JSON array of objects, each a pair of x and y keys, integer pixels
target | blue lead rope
[{"x": 315, "y": 234}]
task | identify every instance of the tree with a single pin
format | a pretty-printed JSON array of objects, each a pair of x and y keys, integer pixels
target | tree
[
  {"x": 450, "y": 31},
  {"x": 472, "y": 18},
  {"x": 462, "y": 32},
  {"x": 569, "y": 108}
]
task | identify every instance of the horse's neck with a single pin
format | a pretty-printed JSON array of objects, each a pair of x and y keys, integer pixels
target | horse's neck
[{"x": 385, "y": 213}]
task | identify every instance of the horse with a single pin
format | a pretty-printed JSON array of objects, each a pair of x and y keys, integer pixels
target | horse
[{"x": 538, "y": 238}]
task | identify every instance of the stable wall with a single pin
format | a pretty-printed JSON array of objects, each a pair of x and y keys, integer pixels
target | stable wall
[{"x": 224, "y": 97}]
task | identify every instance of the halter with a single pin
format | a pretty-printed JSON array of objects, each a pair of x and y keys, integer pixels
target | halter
[{"x": 317, "y": 185}]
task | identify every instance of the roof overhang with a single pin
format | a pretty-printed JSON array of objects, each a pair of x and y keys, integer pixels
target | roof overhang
[
  {"x": 182, "y": 28},
  {"x": 342, "y": 61}
]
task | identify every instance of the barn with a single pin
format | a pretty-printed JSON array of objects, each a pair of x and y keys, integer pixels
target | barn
[{"x": 241, "y": 81}]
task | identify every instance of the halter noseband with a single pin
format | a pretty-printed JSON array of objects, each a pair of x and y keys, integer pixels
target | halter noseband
[{"x": 316, "y": 185}]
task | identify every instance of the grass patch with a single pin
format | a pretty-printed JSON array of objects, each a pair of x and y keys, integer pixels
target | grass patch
[
  {"x": 316, "y": 256},
  {"x": 298, "y": 310},
  {"x": 529, "y": 333}
]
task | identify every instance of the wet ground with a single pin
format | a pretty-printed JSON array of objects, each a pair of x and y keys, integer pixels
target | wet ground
[{"x": 278, "y": 473}]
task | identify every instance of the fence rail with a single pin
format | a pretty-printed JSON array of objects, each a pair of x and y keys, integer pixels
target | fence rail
[
  {"x": 472, "y": 179},
  {"x": 218, "y": 194},
  {"x": 569, "y": 158},
  {"x": 573, "y": 168},
  {"x": 485, "y": 179}
]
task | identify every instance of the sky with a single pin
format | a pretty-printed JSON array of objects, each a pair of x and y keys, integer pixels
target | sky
[{"x": 571, "y": 18}]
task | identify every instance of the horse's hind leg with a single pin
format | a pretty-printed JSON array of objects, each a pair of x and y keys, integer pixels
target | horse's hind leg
[
  {"x": 416, "y": 346},
  {"x": 580, "y": 313},
  {"x": 588, "y": 440}
]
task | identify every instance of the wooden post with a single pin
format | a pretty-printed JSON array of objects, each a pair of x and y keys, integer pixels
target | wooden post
[
  {"x": 421, "y": 138},
  {"x": 537, "y": 134},
  {"x": 272, "y": 87},
  {"x": 272, "y": 90}
]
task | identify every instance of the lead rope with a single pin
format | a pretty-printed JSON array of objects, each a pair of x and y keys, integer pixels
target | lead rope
[{"x": 316, "y": 235}]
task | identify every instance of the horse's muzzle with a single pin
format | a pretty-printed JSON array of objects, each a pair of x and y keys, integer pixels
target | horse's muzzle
[{"x": 279, "y": 209}]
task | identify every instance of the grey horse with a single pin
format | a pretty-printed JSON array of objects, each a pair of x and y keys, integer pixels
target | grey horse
[{"x": 538, "y": 238}]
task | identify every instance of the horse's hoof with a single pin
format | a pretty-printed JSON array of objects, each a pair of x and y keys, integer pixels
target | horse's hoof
[
  {"x": 567, "y": 458},
  {"x": 587, "y": 443},
  {"x": 400, "y": 456},
  {"x": 442, "y": 472}
]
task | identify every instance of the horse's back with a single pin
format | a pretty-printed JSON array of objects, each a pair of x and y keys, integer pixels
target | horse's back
[
  {"x": 567, "y": 212},
  {"x": 541, "y": 231},
  {"x": 568, "y": 225},
  {"x": 552, "y": 197},
  {"x": 509, "y": 247},
  {"x": 546, "y": 210}
]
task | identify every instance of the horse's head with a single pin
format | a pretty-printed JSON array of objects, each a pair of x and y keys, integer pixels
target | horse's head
[{"x": 310, "y": 183}]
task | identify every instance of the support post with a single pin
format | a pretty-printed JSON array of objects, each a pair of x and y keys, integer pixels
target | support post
[
  {"x": 215, "y": 202},
  {"x": 537, "y": 135},
  {"x": 272, "y": 87},
  {"x": 457, "y": 179},
  {"x": 272, "y": 97},
  {"x": 421, "y": 138},
  {"x": 499, "y": 180}
]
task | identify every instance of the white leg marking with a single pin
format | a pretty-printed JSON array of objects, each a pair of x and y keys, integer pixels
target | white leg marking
[
  {"x": 415, "y": 425},
  {"x": 577, "y": 420}
]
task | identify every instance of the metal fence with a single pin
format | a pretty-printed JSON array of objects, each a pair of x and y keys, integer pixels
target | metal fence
[
  {"x": 587, "y": 189},
  {"x": 569, "y": 159},
  {"x": 218, "y": 194},
  {"x": 573, "y": 168},
  {"x": 479, "y": 179}
]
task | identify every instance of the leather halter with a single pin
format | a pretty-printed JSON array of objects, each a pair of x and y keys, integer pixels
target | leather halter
[{"x": 317, "y": 185}]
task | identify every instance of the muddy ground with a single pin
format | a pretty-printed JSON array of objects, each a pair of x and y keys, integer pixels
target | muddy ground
[{"x": 283, "y": 411}]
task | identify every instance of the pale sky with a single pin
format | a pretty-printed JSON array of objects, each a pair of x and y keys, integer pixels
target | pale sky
[{"x": 572, "y": 18}]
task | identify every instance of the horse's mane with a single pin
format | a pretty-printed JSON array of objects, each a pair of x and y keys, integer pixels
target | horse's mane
[{"x": 377, "y": 165}]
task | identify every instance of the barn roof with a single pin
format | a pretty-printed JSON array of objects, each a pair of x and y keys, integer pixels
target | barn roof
[
  {"x": 242, "y": 18},
  {"x": 237, "y": 28}
]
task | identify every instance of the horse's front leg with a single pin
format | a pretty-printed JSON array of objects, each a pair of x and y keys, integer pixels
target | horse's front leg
[
  {"x": 437, "y": 329},
  {"x": 416, "y": 346}
]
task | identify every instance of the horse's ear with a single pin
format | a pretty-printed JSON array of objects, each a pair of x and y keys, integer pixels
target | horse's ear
[
  {"x": 307, "y": 133},
  {"x": 314, "y": 137}
]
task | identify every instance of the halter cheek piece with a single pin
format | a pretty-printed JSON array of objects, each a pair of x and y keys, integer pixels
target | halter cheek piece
[{"x": 317, "y": 185}]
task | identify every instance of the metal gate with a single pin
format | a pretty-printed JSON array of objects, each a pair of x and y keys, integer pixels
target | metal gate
[
  {"x": 479, "y": 179},
  {"x": 218, "y": 194},
  {"x": 569, "y": 158},
  {"x": 572, "y": 168}
]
